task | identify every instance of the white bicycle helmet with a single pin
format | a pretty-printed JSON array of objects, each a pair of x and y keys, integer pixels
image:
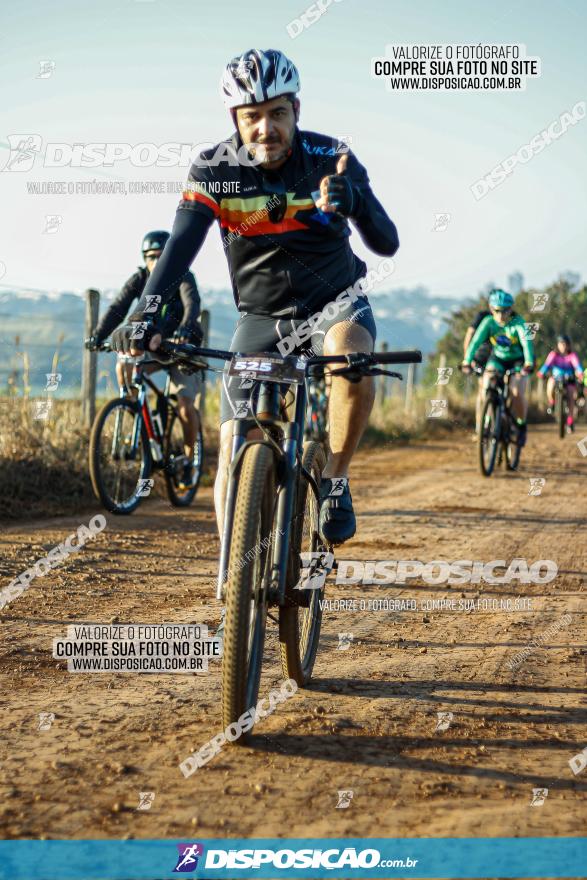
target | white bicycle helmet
[{"x": 258, "y": 75}]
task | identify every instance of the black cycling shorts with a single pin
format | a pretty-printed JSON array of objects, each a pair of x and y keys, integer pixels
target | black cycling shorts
[{"x": 262, "y": 333}]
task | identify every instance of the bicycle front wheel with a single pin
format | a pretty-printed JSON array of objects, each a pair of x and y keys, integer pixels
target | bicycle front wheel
[
  {"x": 489, "y": 436},
  {"x": 513, "y": 450},
  {"x": 247, "y": 584},
  {"x": 120, "y": 460},
  {"x": 299, "y": 626}
]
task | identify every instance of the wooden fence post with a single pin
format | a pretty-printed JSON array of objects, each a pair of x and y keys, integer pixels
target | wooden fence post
[
  {"x": 381, "y": 391},
  {"x": 201, "y": 398},
  {"x": 89, "y": 359}
]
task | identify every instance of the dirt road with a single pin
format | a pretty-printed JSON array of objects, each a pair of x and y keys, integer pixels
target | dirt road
[{"x": 369, "y": 721}]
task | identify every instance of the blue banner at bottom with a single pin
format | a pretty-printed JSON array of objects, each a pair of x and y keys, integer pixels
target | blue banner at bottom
[{"x": 384, "y": 858}]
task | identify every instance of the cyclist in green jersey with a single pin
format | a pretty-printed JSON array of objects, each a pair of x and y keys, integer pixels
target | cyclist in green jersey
[{"x": 512, "y": 350}]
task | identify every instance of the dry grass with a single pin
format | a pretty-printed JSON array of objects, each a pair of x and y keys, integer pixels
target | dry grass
[{"x": 44, "y": 462}]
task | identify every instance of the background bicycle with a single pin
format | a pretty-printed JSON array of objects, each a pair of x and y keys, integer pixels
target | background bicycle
[
  {"x": 565, "y": 390},
  {"x": 498, "y": 437},
  {"x": 131, "y": 439}
]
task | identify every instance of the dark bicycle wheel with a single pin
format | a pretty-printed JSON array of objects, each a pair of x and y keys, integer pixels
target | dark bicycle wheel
[
  {"x": 489, "y": 435},
  {"x": 176, "y": 459},
  {"x": 120, "y": 459},
  {"x": 247, "y": 587},
  {"x": 512, "y": 449},
  {"x": 560, "y": 413},
  {"x": 299, "y": 626}
]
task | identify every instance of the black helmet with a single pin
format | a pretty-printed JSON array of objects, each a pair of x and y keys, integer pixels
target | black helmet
[
  {"x": 563, "y": 337},
  {"x": 155, "y": 241}
]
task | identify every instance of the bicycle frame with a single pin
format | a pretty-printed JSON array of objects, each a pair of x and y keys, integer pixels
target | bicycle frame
[
  {"x": 141, "y": 382},
  {"x": 290, "y": 446}
]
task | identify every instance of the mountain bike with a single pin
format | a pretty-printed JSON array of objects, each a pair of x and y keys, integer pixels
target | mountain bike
[
  {"x": 563, "y": 387},
  {"x": 498, "y": 436},
  {"x": 130, "y": 439},
  {"x": 271, "y": 517}
]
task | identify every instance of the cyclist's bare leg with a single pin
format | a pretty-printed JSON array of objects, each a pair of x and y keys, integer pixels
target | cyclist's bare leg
[
  {"x": 518, "y": 384},
  {"x": 486, "y": 379},
  {"x": 123, "y": 373},
  {"x": 349, "y": 403},
  {"x": 550, "y": 391},
  {"x": 571, "y": 391},
  {"x": 224, "y": 452},
  {"x": 190, "y": 423}
]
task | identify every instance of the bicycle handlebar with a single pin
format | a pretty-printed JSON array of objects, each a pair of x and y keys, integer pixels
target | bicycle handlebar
[{"x": 187, "y": 351}]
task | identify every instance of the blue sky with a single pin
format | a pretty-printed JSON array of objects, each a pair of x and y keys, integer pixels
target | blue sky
[{"x": 147, "y": 71}]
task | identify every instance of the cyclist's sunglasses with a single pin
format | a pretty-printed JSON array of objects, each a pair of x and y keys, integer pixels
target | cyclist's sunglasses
[
  {"x": 503, "y": 311},
  {"x": 150, "y": 257},
  {"x": 278, "y": 199}
]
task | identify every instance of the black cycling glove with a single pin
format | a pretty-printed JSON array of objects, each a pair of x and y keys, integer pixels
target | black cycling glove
[
  {"x": 343, "y": 195},
  {"x": 193, "y": 333},
  {"x": 136, "y": 335}
]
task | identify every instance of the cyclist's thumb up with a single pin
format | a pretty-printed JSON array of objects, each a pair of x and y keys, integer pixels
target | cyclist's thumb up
[
  {"x": 342, "y": 164},
  {"x": 337, "y": 193}
]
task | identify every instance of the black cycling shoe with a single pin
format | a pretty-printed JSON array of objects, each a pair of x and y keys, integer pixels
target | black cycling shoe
[
  {"x": 522, "y": 433},
  {"x": 337, "y": 518}
]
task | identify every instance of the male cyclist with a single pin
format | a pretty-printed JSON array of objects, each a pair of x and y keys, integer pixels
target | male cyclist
[
  {"x": 563, "y": 363},
  {"x": 179, "y": 318},
  {"x": 481, "y": 358},
  {"x": 285, "y": 229},
  {"x": 512, "y": 350}
]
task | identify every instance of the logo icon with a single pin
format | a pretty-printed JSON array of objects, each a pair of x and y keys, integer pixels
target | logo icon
[
  {"x": 46, "y": 69},
  {"x": 316, "y": 566},
  {"x": 53, "y": 380},
  {"x": 444, "y": 374},
  {"x": 344, "y": 799},
  {"x": 242, "y": 409},
  {"x": 145, "y": 487},
  {"x": 438, "y": 409},
  {"x": 187, "y": 861},
  {"x": 539, "y": 795},
  {"x": 146, "y": 799},
  {"x": 539, "y": 302},
  {"x": 536, "y": 485},
  {"x": 52, "y": 223},
  {"x": 339, "y": 484},
  {"x": 153, "y": 300},
  {"x": 41, "y": 409},
  {"x": 531, "y": 329},
  {"x": 441, "y": 222},
  {"x": 138, "y": 329},
  {"x": 444, "y": 720},
  {"x": 344, "y": 641},
  {"x": 46, "y": 719},
  {"x": 23, "y": 149}
]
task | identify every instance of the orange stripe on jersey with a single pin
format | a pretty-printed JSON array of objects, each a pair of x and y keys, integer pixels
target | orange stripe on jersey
[
  {"x": 257, "y": 222},
  {"x": 190, "y": 196}
]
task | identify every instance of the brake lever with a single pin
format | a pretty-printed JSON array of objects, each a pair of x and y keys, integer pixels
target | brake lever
[
  {"x": 377, "y": 371},
  {"x": 355, "y": 373}
]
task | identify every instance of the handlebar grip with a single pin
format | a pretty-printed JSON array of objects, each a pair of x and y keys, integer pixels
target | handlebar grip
[{"x": 398, "y": 357}]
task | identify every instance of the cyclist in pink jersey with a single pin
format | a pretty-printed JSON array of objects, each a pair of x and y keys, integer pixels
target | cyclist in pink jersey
[{"x": 563, "y": 364}]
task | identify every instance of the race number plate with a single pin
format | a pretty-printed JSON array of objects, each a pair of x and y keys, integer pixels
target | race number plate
[{"x": 268, "y": 368}]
